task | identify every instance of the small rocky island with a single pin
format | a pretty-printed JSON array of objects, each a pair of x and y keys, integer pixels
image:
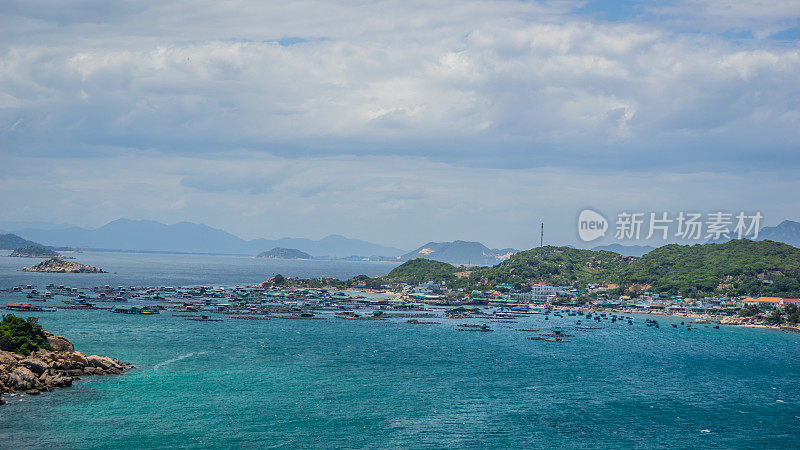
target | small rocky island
[
  {"x": 34, "y": 251},
  {"x": 61, "y": 266},
  {"x": 284, "y": 253},
  {"x": 33, "y": 360}
]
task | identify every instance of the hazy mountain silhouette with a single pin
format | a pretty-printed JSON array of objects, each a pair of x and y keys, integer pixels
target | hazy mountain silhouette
[
  {"x": 460, "y": 252},
  {"x": 148, "y": 235}
]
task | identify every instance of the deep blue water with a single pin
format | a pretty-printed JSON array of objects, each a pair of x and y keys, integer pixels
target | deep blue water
[{"x": 339, "y": 383}]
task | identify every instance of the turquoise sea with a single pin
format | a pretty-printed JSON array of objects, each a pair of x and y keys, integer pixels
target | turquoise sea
[{"x": 387, "y": 384}]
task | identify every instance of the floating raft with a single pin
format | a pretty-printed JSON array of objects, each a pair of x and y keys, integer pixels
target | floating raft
[
  {"x": 539, "y": 338},
  {"x": 203, "y": 319}
]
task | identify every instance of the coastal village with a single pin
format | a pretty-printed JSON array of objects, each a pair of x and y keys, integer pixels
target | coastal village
[{"x": 424, "y": 300}]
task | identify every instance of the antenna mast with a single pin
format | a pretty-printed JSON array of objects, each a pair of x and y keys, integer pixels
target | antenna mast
[{"x": 541, "y": 237}]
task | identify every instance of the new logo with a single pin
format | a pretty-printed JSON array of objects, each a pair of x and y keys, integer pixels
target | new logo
[{"x": 591, "y": 225}]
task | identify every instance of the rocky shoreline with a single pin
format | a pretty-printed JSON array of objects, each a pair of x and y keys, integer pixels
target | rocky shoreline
[
  {"x": 45, "y": 370},
  {"x": 58, "y": 265}
]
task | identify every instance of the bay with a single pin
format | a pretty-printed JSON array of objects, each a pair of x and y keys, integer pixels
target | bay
[{"x": 381, "y": 384}]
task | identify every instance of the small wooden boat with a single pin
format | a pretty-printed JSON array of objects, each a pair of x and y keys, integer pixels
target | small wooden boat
[
  {"x": 482, "y": 328},
  {"x": 421, "y": 322},
  {"x": 539, "y": 338}
]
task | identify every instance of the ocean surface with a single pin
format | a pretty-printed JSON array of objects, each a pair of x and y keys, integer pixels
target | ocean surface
[{"x": 388, "y": 384}]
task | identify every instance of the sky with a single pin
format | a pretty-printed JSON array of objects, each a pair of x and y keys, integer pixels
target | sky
[{"x": 398, "y": 122}]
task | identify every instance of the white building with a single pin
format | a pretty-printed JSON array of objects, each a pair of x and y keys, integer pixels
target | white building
[{"x": 540, "y": 293}]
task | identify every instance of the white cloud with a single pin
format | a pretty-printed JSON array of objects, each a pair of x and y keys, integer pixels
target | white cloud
[
  {"x": 485, "y": 75},
  {"x": 473, "y": 115}
]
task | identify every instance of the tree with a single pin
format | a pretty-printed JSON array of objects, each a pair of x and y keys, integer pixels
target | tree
[
  {"x": 22, "y": 336},
  {"x": 792, "y": 313},
  {"x": 775, "y": 317},
  {"x": 749, "y": 310},
  {"x": 279, "y": 280}
]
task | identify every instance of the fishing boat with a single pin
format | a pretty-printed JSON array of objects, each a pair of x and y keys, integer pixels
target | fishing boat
[
  {"x": 482, "y": 328},
  {"x": 539, "y": 338},
  {"x": 203, "y": 319},
  {"x": 421, "y": 322}
]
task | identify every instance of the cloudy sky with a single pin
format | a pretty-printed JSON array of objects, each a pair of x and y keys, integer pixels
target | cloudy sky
[{"x": 397, "y": 122}]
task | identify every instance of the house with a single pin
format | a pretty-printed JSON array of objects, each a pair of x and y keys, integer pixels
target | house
[
  {"x": 127, "y": 309},
  {"x": 777, "y": 302},
  {"x": 21, "y": 307},
  {"x": 541, "y": 293},
  {"x": 431, "y": 287}
]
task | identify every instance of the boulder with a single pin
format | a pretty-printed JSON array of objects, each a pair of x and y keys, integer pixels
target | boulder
[
  {"x": 43, "y": 354},
  {"x": 45, "y": 370},
  {"x": 8, "y": 357},
  {"x": 60, "y": 381},
  {"x": 59, "y": 343},
  {"x": 22, "y": 379},
  {"x": 35, "y": 365},
  {"x": 79, "y": 358},
  {"x": 102, "y": 362}
]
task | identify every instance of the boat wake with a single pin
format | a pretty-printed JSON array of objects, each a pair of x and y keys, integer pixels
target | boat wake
[{"x": 174, "y": 360}]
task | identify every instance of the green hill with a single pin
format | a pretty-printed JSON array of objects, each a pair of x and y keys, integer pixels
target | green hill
[
  {"x": 739, "y": 267},
  {"x": 420, "y": 270},
  {"x": 559, "y": 266},
  {"x": 736, "y": 267}
]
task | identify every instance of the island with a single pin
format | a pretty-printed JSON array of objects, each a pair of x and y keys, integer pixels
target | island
[
  {"x": 284, "y": 253},
  {"x": 60, "y": 266},
  {"x": 33, "y": 360},
  {"x": 34, "y": 251}
]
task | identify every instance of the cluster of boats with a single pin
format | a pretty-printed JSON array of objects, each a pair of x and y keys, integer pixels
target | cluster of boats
[{"x": 213, "y": 304}]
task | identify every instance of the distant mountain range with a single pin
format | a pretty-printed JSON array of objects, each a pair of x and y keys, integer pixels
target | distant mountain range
[
  {"x": 187, "y": 237},
  {"x": 13, "y": 242},
  {"x": 460, "y": 252},
  {"x": 787, "y": 232}
]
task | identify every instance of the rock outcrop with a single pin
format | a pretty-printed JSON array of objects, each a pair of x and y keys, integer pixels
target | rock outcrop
[
  {"x": 46, "y": 370},
  {"x": 61, "y": 266},
  {"x": 59, "y": 343}
]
